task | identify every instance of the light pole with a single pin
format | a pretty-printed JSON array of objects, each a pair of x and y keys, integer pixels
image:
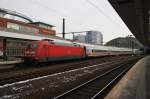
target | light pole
[
  {"x": 73, "y": 36},
  {"x": 131, "y": 42},
  {"x": 63, "y": 29}
]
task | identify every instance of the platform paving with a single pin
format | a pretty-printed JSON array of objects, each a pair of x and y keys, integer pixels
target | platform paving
[
  {"x": 135, "y": 84},
  {"x": 9, "y": 62}
]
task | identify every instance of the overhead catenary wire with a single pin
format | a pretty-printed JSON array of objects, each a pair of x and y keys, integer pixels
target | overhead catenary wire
[
  {"x": 49, "y": 8},
  {"x": 64, "y": 15},
  {"x": 60, "y": 13},
  {"x": 101, "y": 12}
]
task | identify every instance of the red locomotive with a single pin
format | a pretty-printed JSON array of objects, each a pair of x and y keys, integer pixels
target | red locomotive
[
  {"x": 56, "y": 49},
  {"x": 48, "y": 50}
]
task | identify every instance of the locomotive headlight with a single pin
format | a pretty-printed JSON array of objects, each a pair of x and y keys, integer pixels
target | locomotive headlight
[{"x": 30, "y": 53}]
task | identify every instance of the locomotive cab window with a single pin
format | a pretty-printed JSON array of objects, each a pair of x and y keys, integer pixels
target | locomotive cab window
[{"x": 33, "y": 46}]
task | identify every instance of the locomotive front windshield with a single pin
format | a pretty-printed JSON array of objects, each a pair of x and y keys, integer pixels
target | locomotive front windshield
[{"x": 32, "y": 46}]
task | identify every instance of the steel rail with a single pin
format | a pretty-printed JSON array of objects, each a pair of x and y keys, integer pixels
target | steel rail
[
  {"x": 5, "y": 78},
  {"x": 110, "y": 83},
  {"x": 92, "y": 80}
]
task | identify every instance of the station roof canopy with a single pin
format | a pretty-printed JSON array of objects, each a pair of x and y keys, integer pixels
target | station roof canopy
[
  {"x": 136, "y": 15},
  {"x": 14, "y": 13}
]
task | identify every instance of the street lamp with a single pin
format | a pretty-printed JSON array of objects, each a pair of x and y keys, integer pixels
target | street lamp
[{"x": 131, "y": 42}]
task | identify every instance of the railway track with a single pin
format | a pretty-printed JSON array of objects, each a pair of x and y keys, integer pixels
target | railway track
[
  {"x": 96, "y": 88},
  {"x": 18, "y": 74},
  {"x": 22, "y": 66},
  {"x": 53, "y": 85}
]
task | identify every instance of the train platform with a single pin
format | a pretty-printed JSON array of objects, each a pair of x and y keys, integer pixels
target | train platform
[
  {"x": 135, "y": 83},
  {"x": 9, "y": 62}
]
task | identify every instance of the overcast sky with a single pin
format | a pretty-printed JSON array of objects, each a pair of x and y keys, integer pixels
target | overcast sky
[{"x": 80, "y": 15}]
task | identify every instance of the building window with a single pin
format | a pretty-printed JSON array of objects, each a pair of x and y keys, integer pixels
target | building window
[
  {"x": 44, "y": 26},
  {"x": 22, "y": 28},
  {"x": 1, "y": 14},
  {"x": 28, "y": 29},
  {"x": 12, "y": 26}
]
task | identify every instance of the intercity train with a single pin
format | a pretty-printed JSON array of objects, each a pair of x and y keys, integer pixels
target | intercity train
[{"x": 55, "y": 49}]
